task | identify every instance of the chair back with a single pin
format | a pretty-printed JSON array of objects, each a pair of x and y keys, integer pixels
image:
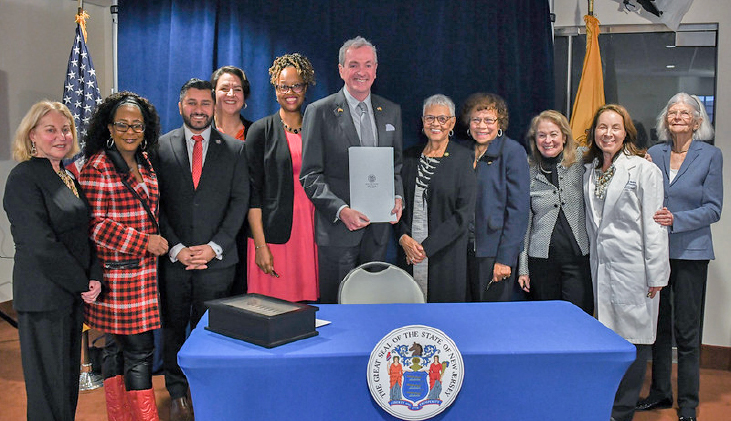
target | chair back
[{"x": 367, "y": 285}]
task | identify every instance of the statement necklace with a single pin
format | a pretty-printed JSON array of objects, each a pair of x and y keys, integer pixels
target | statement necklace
[
  {"x": 290, "y": 129},
  {"x": 603, "y": 178}
]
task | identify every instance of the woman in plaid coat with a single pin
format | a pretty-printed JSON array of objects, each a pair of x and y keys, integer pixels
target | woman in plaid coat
[{"x": 122, "y": 189}]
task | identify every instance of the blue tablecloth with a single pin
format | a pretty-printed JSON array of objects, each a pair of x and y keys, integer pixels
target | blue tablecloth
[{"x": 522, "y": 361}]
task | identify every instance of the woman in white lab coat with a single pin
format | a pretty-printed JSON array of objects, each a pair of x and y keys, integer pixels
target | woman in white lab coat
[{"x": 628, "y": 249}]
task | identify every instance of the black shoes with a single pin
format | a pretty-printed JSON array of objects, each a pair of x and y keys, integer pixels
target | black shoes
[
  {"x": 686, "y": 419},
  {"x": 653, "y": 403}
]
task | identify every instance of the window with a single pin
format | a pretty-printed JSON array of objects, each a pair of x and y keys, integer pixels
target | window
[{"x": 643, "y": 65}]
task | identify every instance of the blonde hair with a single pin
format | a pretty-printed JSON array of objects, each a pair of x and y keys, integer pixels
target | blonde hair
[
  {"x": 569, "y": 147},
  {"x": 22, "y": 143}
]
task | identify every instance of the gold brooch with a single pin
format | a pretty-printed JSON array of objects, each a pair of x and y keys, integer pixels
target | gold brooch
[{"x": 379, "y": 108}]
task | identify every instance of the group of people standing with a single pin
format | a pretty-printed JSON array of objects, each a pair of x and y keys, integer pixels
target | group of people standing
[{"x": 154, "y": 225}]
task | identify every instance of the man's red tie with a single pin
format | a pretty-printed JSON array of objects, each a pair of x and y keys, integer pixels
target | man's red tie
[{"x": 197, "y": 159}]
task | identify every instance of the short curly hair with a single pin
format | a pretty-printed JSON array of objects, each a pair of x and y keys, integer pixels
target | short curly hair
[
  {"x": 296, "y": 60},
  {"x": 486, "y": 101},
  {"x": 97, "y": 132}
]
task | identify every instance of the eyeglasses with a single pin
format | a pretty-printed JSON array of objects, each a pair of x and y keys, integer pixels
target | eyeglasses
[
  {"x": 477, "y": 120},
  {"x": 122, "y": 127},
  {"x": 296, "y": 88},
  {"x": 685, "y": 115},
  {"x": 442, "y": 119}
]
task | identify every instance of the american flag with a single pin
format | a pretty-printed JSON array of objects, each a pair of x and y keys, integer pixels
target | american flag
[{"x": 81, "y": 91}]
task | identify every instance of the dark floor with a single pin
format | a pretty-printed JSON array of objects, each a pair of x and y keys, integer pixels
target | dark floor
[{"x": 715, "y": 390}]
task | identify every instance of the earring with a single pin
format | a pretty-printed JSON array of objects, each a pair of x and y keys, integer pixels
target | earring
[
  {"x": 144, "y": 144},
  {"x": 468, "y": 133},
  {"x": 110, "y": 143},
  {"x": 33, "y": 149},
  {"x": 245, "y": 105},
  {"x": 499, "y": 132},
  {"x": 451, "y": 132}
]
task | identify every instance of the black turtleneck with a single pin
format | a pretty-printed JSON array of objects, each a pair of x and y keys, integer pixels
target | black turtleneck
[{"x": 562, "y": 238}]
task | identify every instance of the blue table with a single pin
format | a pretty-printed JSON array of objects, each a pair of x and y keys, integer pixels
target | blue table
[{"x": 522, "y": 361}]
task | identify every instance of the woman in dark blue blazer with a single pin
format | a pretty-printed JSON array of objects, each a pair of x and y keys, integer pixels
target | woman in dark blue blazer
[
  {"x": 502, "y": 204},
  {"x": 55, "y": 269},
  {"x": 693, "y": 181}
]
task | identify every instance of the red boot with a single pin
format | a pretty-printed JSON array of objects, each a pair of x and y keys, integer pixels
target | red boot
[
  {"x": 142, "y": 404},
  {"x": 115, "y": 394}
]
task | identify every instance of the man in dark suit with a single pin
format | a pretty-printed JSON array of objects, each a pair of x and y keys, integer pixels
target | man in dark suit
[
  {"x": 351, "y": 117},
  {"x": 204, "y": 196}
]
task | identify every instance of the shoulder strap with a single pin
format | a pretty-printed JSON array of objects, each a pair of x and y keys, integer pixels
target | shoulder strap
[{"x": 123, "y": 169}]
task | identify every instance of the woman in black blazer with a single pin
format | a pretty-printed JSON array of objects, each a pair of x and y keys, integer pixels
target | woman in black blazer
[
  {"x": 55, "y": 267},
  {"x": 439, "y": 190},
  {"x": 282, "y": 255}
]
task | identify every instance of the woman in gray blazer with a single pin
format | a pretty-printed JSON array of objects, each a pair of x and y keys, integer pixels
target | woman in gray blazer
[
  {"x": 693, "y": 181},
  {"x": 554, "y": 263}
]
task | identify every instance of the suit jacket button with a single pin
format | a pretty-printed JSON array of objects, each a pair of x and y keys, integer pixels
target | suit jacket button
[{"x": 556, "y": 205}]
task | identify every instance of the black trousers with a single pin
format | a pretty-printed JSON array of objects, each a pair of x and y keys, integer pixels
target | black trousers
[
  {"x": 681, "y": 312},
  {"x": 628, "y": 392},
  {"x": 184, "y": 293},
  {"x": 335, "y": 261},
  {"x": 479, "y": 285},
  {"x": 130, "y": 356},
  {"x": 562, "y": 277},
  {"x": 50, "y": 350}
]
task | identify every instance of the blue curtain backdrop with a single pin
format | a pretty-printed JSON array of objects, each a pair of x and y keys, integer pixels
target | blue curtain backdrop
[{"x": 424, "y": 47}]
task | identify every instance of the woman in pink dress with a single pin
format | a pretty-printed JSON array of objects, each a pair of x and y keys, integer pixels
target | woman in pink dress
[{"x": 282, "y": 255}]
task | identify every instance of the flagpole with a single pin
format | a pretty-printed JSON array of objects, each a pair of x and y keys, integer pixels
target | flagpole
[
  {"x": 115, "y": 34},
  {"x": 591, "y": 7}
]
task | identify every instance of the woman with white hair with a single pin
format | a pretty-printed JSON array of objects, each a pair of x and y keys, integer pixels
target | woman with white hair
[
  {"x": 693, "y": 182},
  {"x": 439, "y": 190}
]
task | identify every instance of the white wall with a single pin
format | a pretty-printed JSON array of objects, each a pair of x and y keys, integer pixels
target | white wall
[
  {"x": 717, "y": 326},
  {"x": 35, "y": 44}
]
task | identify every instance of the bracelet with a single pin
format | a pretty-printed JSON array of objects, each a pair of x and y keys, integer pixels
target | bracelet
[{"x": 258, "y": 247}]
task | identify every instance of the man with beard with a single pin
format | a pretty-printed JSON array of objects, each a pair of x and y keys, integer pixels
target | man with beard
[{"x": 204, "y": 197}]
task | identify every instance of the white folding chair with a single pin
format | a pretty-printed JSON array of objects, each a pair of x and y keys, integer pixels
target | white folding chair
[{"x": 368, "y": 285}]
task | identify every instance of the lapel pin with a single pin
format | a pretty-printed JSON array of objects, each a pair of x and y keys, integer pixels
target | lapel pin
[
  {"x": 379, "y": 108},
  {"x": 218, "y": 141}
]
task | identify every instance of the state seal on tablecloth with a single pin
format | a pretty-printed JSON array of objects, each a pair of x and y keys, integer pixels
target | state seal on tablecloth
[{"x": 415, "y": 372}]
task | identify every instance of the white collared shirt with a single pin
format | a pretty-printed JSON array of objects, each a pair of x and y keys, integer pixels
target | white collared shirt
[{"x": 189, "y": 142}]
